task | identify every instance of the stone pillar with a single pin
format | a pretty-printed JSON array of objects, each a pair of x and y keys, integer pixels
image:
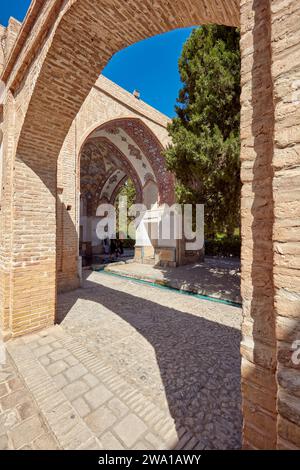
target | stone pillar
[
  {"x": 67, "y": 246},
  {"x": 286, "y": 232},
  {"x": 258, "y": 346}
]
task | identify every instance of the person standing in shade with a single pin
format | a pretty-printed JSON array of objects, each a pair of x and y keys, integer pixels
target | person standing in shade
[{"x": 112, "y": 249}]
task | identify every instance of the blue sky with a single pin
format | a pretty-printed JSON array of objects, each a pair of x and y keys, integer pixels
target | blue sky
[
  {"x": 151, "y": 66},
  {"x": 15, "y": 8}
]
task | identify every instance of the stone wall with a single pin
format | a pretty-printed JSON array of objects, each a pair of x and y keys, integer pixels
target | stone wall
[
  {"x": 286, "y": 228},
  {"x": 257, "y": 126}
]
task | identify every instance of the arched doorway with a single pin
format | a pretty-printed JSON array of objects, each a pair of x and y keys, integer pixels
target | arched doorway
[
  {"x": 46, "y": 107},
  {"x": 135, "y": 134},
  {"x": 108, "y": 158},
  {"x": 113, "y": 152}
]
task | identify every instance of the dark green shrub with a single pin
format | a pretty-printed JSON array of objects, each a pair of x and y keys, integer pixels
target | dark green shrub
[{"x": 225, "y": 247}]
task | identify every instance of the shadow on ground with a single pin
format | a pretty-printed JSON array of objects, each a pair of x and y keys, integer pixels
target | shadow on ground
[
  {"x": 216, "y": 277},
  {"x": 198, "y": 359}
]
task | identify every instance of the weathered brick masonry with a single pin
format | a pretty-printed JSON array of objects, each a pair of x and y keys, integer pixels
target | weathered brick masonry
[{"x": 55, "y": 61}]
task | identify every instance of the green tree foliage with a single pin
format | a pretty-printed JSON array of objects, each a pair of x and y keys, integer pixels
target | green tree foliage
[
  {"x": 128, "y": 190},
  {"x": 206, "y": 143}
]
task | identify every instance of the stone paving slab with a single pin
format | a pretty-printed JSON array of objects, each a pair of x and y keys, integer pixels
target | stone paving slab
[
  {"x": 180, "y": 352},
  {"x": 21, "y": 424},
  {"x": 215, "y": 277},
  {"x": 94, "y": 409},
  {"x": 127, "y": 368}
]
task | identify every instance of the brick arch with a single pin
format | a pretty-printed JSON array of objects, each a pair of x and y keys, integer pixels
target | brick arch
[
  {"x": 151, "y": 147},
  {"x": 103, "y": 194},
  {"x": 88, "y": 34},
  {"x": 60, "y": 52},
  {"x": 50, "y": 79},
  {"x": 126, "y": 164}
]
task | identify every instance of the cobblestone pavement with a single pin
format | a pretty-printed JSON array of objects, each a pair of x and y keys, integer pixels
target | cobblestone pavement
[
  {"x": 135, "y": 367},
  {"x": 21, "y": 424},
  {"x": 216, "y": 277}
]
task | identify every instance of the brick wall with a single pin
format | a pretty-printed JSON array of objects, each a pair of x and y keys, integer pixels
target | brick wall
[
  {"x": 2, "y": 47},
  {"x": 8, "y": 36},
  {"x": 286, "y": 230},
  {"x": 257, "y": 126},
  {"x": 12, "y": 32}
]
